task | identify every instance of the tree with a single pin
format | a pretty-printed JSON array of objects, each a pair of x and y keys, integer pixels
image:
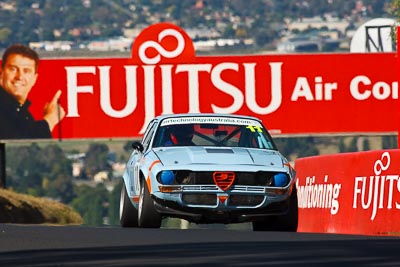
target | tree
[
  {"x": 389, "y": 142},
  {"x": 264, "y": 37},
  {"x": 91, "y": 203},
  {"x": 365, "y": 145},
  {"x": 4, "y": 35},
  {"x": 61, "y": 188},
  {"x": 25, "y": 168},
  {"x": 113, "y": 208},
  {"x": 40, "y": 171},
  {"x": 342, "y": 146},
  {"x": 96, "y": 159},
  {"x": 353, "y": 145},
  {"x": 394, "y": 10},
  {"x": 309, "y": 148}
]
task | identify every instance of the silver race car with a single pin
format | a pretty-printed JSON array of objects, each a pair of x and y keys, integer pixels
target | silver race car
[{"x": 208, "y": 168}]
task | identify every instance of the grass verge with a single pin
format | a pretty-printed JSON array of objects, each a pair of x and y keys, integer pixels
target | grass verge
[{"x": 20, "y": 208}]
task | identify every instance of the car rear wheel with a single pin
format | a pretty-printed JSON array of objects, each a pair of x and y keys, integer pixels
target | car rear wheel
[
  {"x": 284, "y": 223},
  {"x": 128, "y": 214},
  {"x": 148, "y": 217}
]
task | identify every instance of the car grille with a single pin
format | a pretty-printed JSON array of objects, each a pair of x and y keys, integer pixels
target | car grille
[
  {"x": 233, "y": 200},
  {"x": 185, "y": 177},
  {"x": 245, "y": 200},
  {"x": 200, "y": 199}
]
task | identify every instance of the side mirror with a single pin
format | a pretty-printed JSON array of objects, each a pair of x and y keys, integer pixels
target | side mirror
[{"x": 137, "y": 146}]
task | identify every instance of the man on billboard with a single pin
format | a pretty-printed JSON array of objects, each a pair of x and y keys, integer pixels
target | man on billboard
[{"x": 18, "y": 74}]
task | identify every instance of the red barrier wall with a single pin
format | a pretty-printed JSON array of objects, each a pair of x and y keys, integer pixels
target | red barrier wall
[{"x": 350, "y": 193}]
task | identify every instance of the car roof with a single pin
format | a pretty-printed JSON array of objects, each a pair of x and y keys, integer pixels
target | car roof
[{"x": 165, "y": 116}]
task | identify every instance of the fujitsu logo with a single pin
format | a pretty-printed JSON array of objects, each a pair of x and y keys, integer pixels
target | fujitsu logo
[
  {"x": 165, "y": 69},
  {"x": 376, "y": 191},
  {"x": 160, "y": 49}
]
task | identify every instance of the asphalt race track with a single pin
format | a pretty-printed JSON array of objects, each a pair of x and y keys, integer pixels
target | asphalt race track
[{"x": 38, "y": 245}]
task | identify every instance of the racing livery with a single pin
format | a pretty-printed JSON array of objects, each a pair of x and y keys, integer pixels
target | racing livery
[{"x": 208, "y": 168}]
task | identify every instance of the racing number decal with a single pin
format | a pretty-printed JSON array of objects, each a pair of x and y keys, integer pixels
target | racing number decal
[{"x": 253, "y": 129}]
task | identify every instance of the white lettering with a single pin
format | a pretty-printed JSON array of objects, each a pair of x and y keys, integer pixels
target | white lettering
[
  {"x": 354, "y": 87},
  {"x": 149, "y": 91},
  {"x": 371, "y": 190},
  {"x": 74, "y": 89},
  {"x": 227, "y": 88},
  {"x": 166, "y": 71},
  {"x": 323, "y": 91},
  {"x": 323, "y": 195},
  {"x": 105, "y": 92},
  {"x": 193, "y": 82},
  {"x": 276, "y": 88},
  {"x": 302, "y": 89},
  {"x": 380, "y": 90}
]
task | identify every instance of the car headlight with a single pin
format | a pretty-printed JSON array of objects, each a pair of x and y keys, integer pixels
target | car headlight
[
  {"x": 167, "y": 177},
  {"x": 281, "y": 179}
]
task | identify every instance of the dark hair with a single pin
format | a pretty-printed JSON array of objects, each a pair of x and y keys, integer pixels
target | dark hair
[
  {"x": 183, "y": 131},
  {"x": 22, "y": 50}
]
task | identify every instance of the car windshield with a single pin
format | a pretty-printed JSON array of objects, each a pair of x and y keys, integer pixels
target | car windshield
[{"x": 213, "y": 131}]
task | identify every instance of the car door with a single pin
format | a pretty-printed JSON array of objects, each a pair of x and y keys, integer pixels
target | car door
[{"x": 138, "y": 157}]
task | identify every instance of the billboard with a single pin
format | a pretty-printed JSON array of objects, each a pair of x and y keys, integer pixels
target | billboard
[{"x": 292, "y": 94}]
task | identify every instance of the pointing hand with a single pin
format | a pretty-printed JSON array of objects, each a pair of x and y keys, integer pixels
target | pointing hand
[{"x": 53, "y": 111}]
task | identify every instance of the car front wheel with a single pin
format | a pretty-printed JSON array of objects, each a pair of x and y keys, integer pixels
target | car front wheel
[
  {"x": 128, "y": 214},
  {"x": 148, "y": 217}
]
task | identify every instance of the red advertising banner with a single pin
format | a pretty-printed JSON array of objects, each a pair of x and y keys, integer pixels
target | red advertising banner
[
  {"x": 291, "y": 94},
  {"x": 398, "y": 75},
  {"x": 350, "y": 193}
]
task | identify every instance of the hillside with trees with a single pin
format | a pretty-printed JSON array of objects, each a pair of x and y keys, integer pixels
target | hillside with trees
[{"x": 25, "y": 21}]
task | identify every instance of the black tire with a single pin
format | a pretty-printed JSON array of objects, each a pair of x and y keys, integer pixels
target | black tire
[
  {"x": 283, "y": 223},
  {"x": 128, "y": 214},
  {"x": 148, "y": 217}
]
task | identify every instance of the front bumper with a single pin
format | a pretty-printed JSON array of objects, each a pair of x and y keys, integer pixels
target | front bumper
[{"x": 241, "y": 204}]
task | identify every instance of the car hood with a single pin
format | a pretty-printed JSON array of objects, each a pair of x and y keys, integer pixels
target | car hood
[{"x": 218, "y": 156}]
